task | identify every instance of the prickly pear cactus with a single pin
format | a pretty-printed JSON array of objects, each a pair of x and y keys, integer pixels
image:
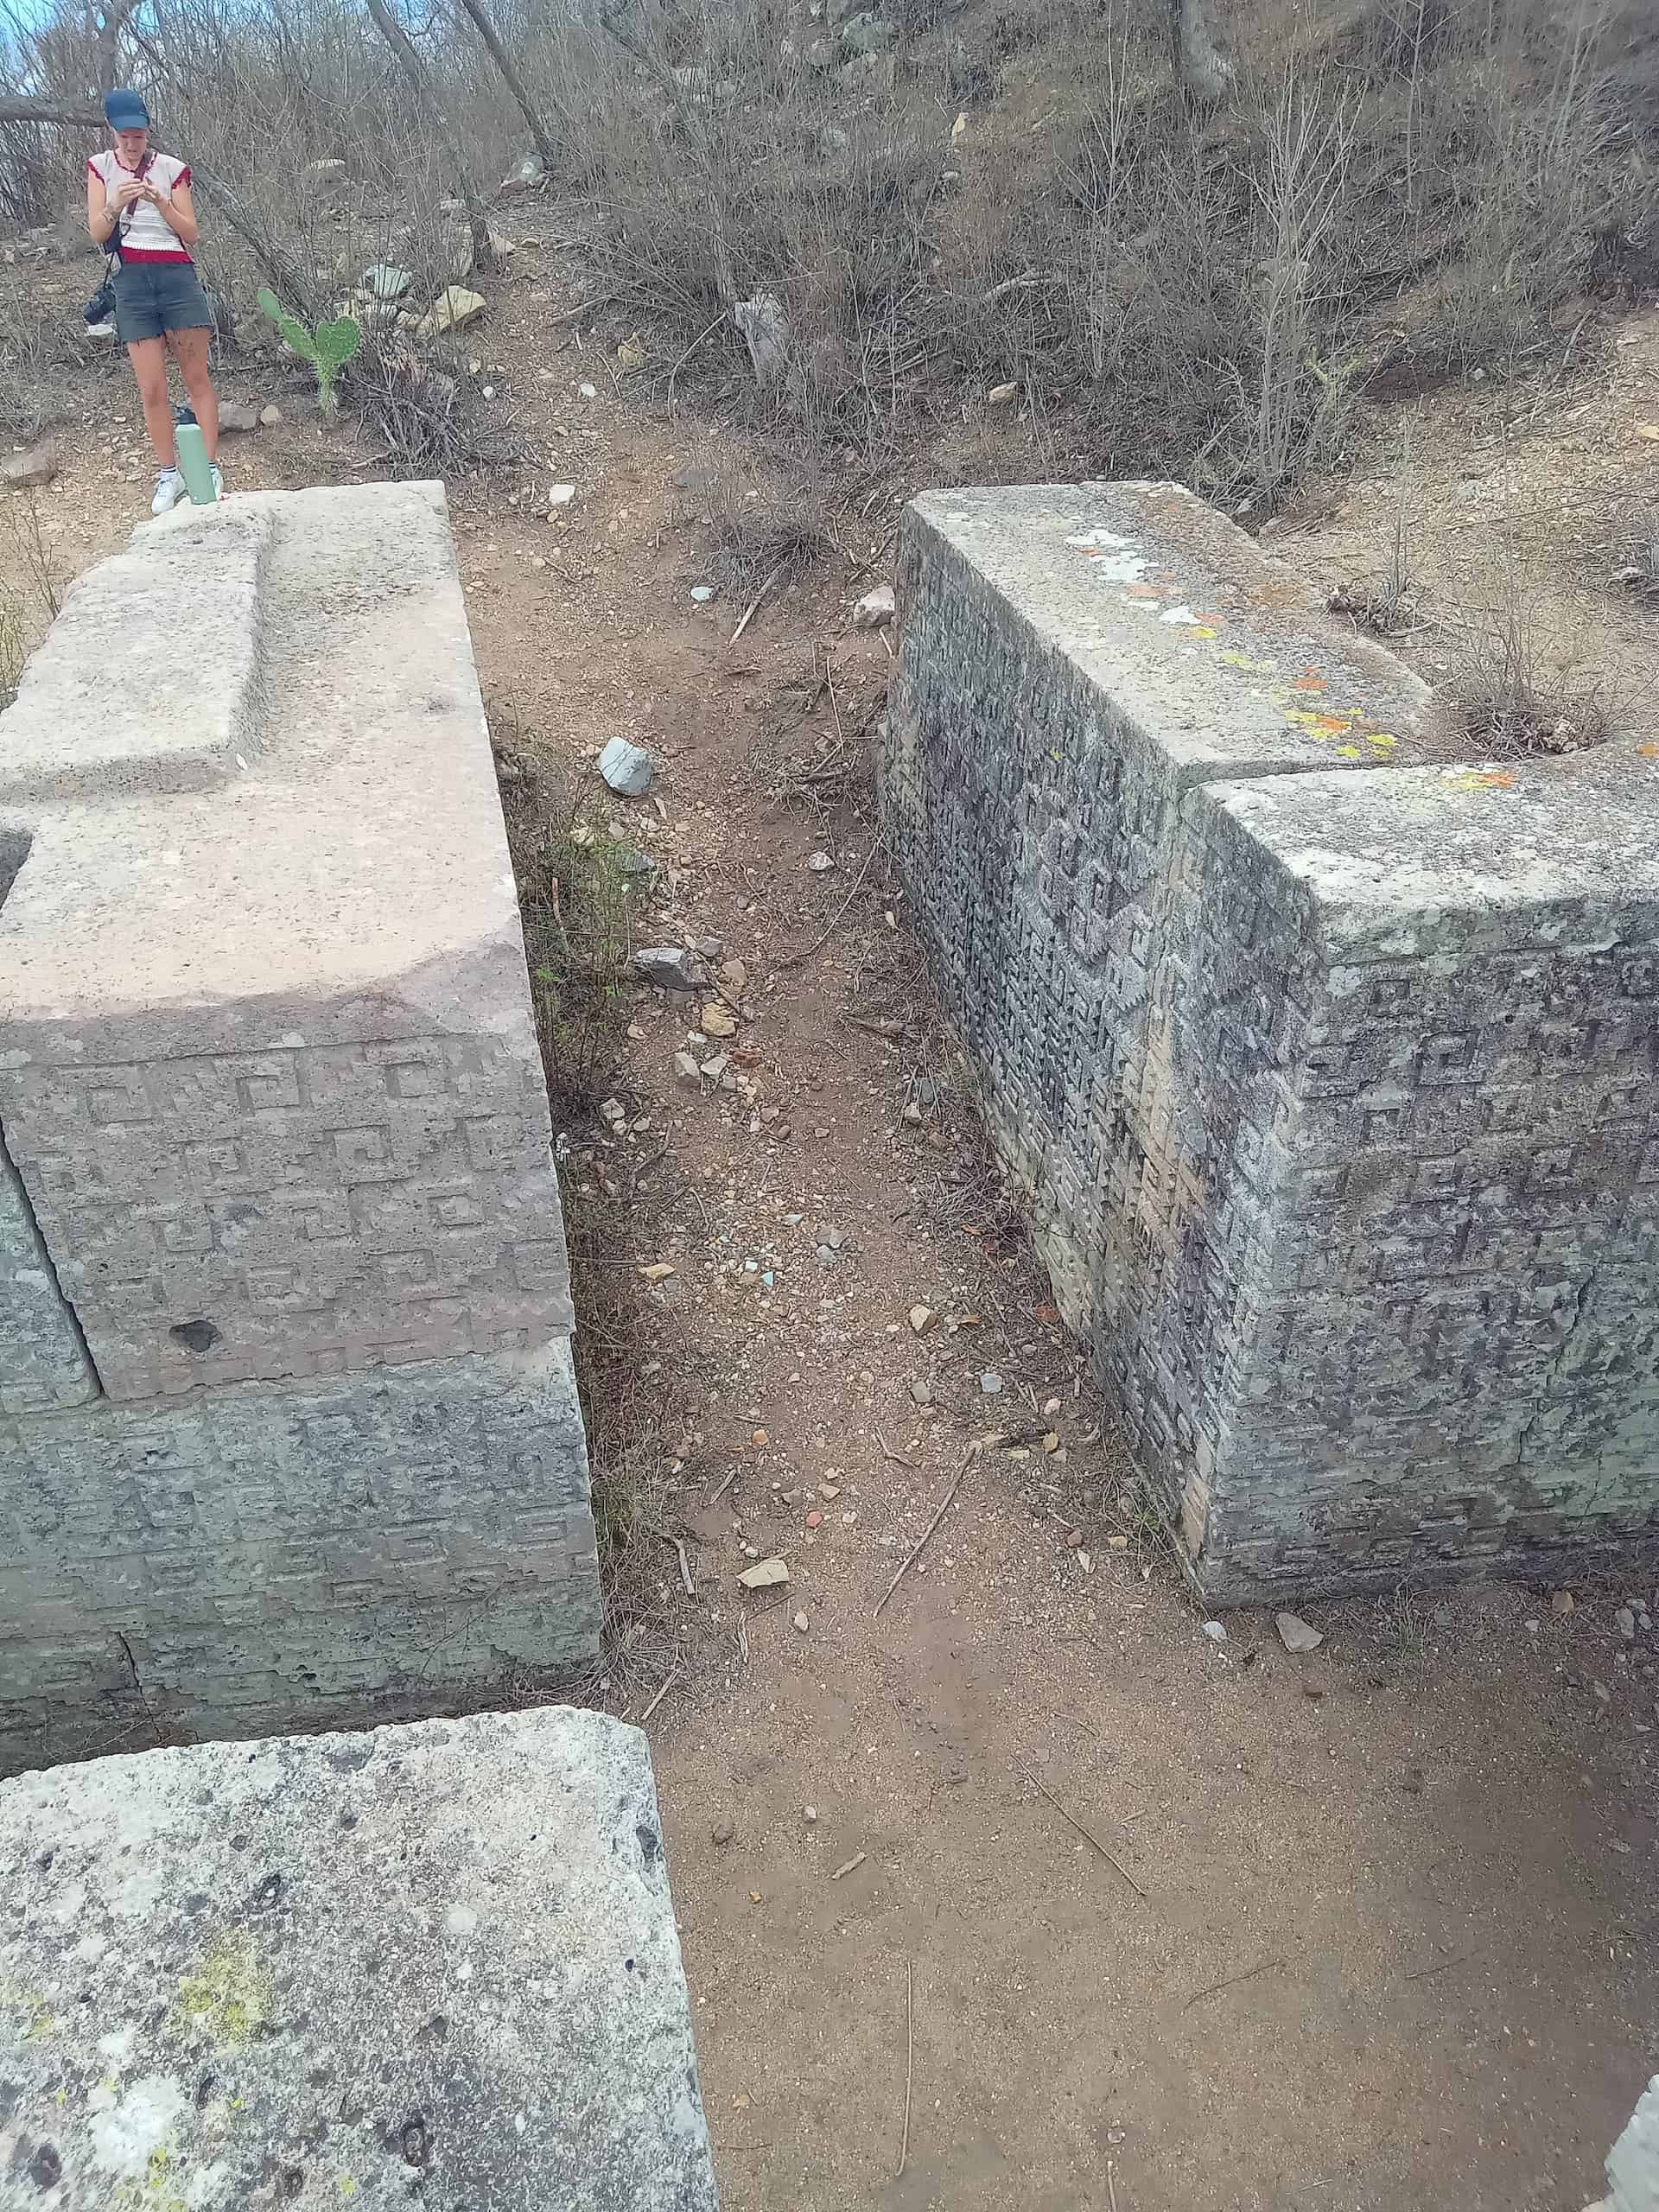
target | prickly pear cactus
[{"x": 327, "y": 348}]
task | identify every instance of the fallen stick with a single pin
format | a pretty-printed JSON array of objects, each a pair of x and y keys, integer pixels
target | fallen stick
[
  {"x": 968, "y": 1457},
  {"x": 898, "y": 1460},
  {"x": 849, "y": 1866},
  {"x": 909, "y": 2057},
  {"x": 1086, "y": 1834},
  {"x": 1249, "y": 1974},
  {"x": 673, "y": 1675},
  {"x": 754, "y": 604},
  {"x": 1112, "y": 2186},
  {"x": 724, "y": 1487},
  {"x": 687, "y": 1584}
]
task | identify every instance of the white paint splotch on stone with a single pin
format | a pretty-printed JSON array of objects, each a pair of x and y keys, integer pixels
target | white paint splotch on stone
[
  {"x": 1633, "y": 2161},
  {"x": 1329, "y": 1074},
  {"x": 435, "y": 1964}
]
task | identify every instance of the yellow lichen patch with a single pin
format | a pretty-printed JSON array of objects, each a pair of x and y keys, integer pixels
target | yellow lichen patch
[
  {"x": 229, "y": 1995},
  {"x": 1349, "y": 753},
  {"x": 1381, "y": 740},
  {"x": 159, "y": 2190}
]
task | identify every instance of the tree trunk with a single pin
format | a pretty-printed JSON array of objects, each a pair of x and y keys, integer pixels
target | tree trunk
[
  {"x": 420, "y": 84},
  {"x": 112, "y": 21},
  {"x": 513, "y": 81},
  {"x": 1204, "y": 69},
  {"x": 73, "y": 118}
]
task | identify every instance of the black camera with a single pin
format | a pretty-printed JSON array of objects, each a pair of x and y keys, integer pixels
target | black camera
[{"x": 101, "y": 306}]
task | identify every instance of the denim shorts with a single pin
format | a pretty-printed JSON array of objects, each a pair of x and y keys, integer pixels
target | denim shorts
[{"x": 152, "y": 297}]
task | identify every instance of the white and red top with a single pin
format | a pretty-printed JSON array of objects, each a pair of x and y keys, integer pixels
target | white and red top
[{"x": 144, "y": 236}]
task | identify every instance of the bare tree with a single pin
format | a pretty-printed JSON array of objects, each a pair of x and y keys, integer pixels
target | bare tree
[
  {"x": 438, "y": 120},
  {"x": 1204, "y": 68},
  {"x": 512, "y": 80}
]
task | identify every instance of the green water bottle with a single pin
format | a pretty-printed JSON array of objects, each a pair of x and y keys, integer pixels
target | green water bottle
[{"x": 193, "y": 464}]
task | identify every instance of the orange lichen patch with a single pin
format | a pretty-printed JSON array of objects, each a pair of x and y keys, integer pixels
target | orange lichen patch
[
  {"x": 1475, "y": 779},
  {"x": 1649, "y": 752},
  {"x": 1141, "y": 591},
  {"x": 1307, "y": 682},
  {"x": 1320, "y": 725}
]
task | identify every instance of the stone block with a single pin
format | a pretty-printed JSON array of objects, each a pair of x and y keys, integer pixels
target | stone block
[
  {"x": 1412, "y": 1219},
  {"x": 1327, "y": 1071},
  {"x": 348, "y": 1551},
  {"x": 268, "y": 1070},
  {"x": 435, "y": 1964}
]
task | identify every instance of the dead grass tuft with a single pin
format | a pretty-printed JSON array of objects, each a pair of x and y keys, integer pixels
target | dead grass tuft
[{"x": 1514, "y": 697}]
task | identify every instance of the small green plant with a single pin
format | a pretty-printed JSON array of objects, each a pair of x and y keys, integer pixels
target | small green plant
[{"x": 329, "y": 347}]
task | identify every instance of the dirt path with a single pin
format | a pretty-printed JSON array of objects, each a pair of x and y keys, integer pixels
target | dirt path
[
  {"x": 1376, "y": 1932},
  {"x": 1396, "y": 1944}
]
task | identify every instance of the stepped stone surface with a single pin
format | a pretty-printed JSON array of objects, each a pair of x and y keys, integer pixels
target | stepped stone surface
[
  {"x": 1326, "y": 1063},
  {"x": 267, "y": 1064},
  {"x": 273, "y": 1107},
  {"x": 431, "y": 1965}
]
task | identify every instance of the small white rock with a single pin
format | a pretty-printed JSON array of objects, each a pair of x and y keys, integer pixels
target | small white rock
[
  {"x": 876, "y": 609},
  {"x": 625, "y": 768},
  {"x": 802, "y": 1622},
  {"x": 1215, "y": 1632},
  {"x": 1296, "y": 1634},
  {"x": 991, "y": 1382},
  {"x": 560, "y": 495}
]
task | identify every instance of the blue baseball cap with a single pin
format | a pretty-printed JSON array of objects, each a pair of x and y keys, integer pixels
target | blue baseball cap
[{"x": 125, "y": 112}]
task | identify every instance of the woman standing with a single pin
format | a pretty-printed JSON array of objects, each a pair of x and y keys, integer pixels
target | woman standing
[{"x": 138, "y": 205}]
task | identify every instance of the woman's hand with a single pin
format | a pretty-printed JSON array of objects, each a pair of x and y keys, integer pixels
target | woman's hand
[{"x": 124, "y": 194}]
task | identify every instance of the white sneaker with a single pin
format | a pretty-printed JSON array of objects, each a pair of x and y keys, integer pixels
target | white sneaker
[
  {"x": 219, "y": 483},
  {"x": 169, "y": 490}
]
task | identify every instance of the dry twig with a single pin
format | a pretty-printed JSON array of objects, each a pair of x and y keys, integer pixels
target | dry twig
[
  {"x": 773, "y": 575},
  {"x": 820, "y": 941},
  {"x": 1088, "y": 1835},
  {"x": 909, "y": 2059},
  {"x": 673, "y": 1676},
  {"x": 1249, "y": 1974},
  {"x": 920, "y": 1545}
]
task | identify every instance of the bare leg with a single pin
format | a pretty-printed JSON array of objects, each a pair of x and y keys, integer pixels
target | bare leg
[
  {"x": 190, "y": 352},
  {"x": 148, "y": 358}
]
